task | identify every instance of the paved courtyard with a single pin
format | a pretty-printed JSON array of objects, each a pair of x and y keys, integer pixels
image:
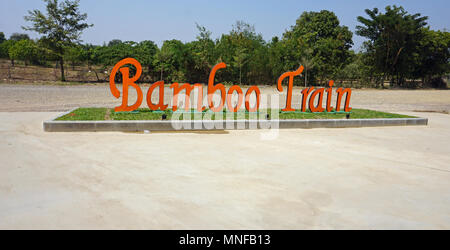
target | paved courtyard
[{"x": 360, "y": 178}]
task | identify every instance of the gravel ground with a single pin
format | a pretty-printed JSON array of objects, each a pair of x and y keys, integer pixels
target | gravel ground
[{"x": 23, "y": 97}]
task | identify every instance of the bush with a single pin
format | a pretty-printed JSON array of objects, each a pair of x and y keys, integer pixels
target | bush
[{"x": 438, "y": 83}]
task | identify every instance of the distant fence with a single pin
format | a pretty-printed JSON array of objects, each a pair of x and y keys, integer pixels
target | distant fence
[
  {"x": 21, "y": 73},
  {"x": 31, "y": 73}
]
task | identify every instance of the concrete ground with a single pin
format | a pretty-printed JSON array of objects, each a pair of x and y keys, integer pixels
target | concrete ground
[{"x": 356, "y": 178}]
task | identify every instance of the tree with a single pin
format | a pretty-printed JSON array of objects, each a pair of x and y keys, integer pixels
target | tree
[
  {"x": 19, "y": 36},
  {"x": 61, "y": 26},
  {"x": 434, "y": 58},
  {"x": 236, "y": 48},
  {"x": 25, "y": 50},
  {"x": 241, "y": 36},
  {"x": 307, "y": 61},
  {"x": 202, "y": 54},
  {"x": 394, "y": 39},
  {"x": 259, "y": 71},
  {"x": 240, "y": 59},
  {"x": 74, "y": 54},
  {"x": 46, "y": 54},
  {"x": 319, "y": 38},
  {"x": 172, "y": 59},
  {"x": 2, "y": 37},
  {"x": 145, "y": 52},
  {"x": 161, "y": 61},
  {"x": 111, "y": 54},
  {"x": 107, "y": 56},
  {"x": 89, "y": 56},
  {"x": 114, "y": 42},
  {"x": 278, "y": 56},
  {"x": 4, "y": 49}
]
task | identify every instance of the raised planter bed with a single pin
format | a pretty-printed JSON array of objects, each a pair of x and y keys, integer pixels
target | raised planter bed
[{"x": 102, "y": 119}]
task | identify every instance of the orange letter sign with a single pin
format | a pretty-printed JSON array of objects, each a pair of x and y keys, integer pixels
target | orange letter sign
[
  {"x": 160, "y": 105},
  {"x": 341, "y": 92},
  {"x": 213, "y": 88},
  {"x": 290, "y": 85},
  {"x": 176, "y": 91},
  {"x": 127, "y": 81},
  {"x": 230, "y": 95},
  {"x": 319, "y": 107},
  {"x": 247, "y": 98},
  {"x": 315, "y": 100}
]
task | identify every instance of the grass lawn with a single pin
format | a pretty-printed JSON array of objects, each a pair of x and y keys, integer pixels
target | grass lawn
[{"x": 102, "y": 114}]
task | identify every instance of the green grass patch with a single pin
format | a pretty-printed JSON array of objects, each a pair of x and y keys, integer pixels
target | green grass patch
[
  {"x": 101, "y": 114},
  {"x": 85, "y": 114}
]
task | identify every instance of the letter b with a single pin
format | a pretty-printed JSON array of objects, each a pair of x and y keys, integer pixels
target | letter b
[
  {"x": 213, "y": 88},
  {"x": 127, "y": 81}
]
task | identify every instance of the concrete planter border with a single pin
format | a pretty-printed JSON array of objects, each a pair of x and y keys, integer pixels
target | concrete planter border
[{"x": 168, "y": 125}]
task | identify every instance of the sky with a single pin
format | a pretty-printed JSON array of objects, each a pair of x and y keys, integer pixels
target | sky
[{"x": 139, "y": 20}]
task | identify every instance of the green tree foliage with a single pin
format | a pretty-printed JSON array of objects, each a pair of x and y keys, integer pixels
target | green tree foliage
[
  {"x": 434, "y": 57},
  {"x": 202, "y": 54},
  {"x": 19, "y": 36},
  {"x": 61, "y": 26},
  {"x": 110, "y": 55},
  {"x": 400, "y": 48},
  {"x": 107, "y": 56},
  {"x": 114, "y": 42},
  {"x": 30, "y": 52},
  {"x": 172, "y": 61},
  {"x": 145, "y": 52},
  {"x": 47, "y": 54},
  {"x": 241, "y": 37},
  {"x": 246, "y": 54},
  {"x": 74, "y": 54},
  {"x": 277, "y": 57},
  {"x": 24, "y": 50},
  {"x": 4, "y": 48},
  {"x": 2, "y": 37},
  {"x": 358, "y": 71},
  {"x": 308, "y": 62},
  {"x": 318, "y": 39},
  {"x": 394, "y": 39}
]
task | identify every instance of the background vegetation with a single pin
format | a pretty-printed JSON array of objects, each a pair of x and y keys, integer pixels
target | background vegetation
[{"x": 401, "y": 51}]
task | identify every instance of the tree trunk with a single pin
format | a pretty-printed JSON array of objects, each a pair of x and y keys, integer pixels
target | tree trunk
[
  {"x": 306, "y": 76},
  {"x": 61, "y": 64},
  {"x": 150, "y": 75},
  {"x": 382, "y": 81},
  {"x": 240, "y": 75},
  {"x": 96, "y": 75}
]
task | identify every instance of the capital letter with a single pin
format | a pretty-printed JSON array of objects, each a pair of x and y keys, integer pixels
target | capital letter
[
  {"x": 290, "y": 86},
  {"x": 127, "y": 81}
]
